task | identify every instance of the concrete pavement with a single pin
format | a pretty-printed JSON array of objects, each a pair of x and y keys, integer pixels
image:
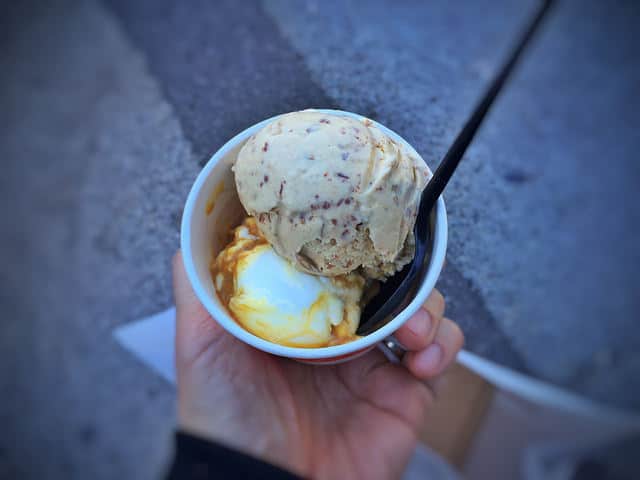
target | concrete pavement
[{"x": 109, "y": 111}]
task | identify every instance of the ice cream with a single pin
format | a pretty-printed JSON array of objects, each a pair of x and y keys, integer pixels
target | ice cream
[
  {"x": 279, "y": 303},
  {"x": 332, "y": 202},
  {"x": 332, "y": 194}
]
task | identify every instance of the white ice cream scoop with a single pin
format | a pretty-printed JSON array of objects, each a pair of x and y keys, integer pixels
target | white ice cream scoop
[{"x": 273, "y": 300}]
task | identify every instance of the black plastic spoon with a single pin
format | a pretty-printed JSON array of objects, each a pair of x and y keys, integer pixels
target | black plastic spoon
[{"x": 396, "y": 292}]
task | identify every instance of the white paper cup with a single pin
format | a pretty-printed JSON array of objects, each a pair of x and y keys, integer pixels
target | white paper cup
[{"x": 213, "y": 209}]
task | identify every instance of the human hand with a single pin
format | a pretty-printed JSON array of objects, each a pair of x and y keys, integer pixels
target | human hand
[{"x": 359, "y": 419}]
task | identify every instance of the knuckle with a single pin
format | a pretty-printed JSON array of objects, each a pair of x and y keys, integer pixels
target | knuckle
[
  {"x": 456, "y": 334},
  {"x": 439, "y": 298}
]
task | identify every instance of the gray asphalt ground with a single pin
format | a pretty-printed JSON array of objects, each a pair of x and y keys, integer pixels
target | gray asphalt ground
[{"x": 108, "y": 111}]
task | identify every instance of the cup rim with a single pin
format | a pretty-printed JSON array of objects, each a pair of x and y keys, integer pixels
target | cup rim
[{"x": 220, "y": 315}]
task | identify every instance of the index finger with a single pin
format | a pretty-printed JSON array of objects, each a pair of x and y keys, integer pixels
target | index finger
[{"x": 195, "y": 328}]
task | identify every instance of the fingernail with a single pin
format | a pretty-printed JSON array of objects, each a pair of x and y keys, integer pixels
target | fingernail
[
  {"x": 429, "y": 360},
  {"x": 421, "y": 325}
]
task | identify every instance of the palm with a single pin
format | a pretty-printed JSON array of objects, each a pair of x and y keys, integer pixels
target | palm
[{"x": 358, "y": 419}]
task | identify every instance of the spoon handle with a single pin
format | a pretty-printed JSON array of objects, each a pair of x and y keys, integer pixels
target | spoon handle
[{"x": 453, "y": 156}]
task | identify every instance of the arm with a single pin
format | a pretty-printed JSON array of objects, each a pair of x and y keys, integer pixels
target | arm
[{"x": 199, "y": 459}]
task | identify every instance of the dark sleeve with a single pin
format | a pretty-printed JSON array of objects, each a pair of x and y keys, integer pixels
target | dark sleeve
[{"x": 199, "y": 459}]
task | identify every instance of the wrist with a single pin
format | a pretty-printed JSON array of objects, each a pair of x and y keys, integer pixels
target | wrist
[
  {"x": 196, "y": 457},
  {"x": 236, "y": 432}
]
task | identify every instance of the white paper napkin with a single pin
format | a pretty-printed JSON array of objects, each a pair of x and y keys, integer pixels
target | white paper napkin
[{"x": 151, "y": 339}]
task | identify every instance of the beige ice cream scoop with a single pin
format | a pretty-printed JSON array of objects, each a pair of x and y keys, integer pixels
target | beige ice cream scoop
[{"x": 332, "y": 193}]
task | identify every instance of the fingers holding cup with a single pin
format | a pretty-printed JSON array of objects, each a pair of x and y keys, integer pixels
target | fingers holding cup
[
  {"x": 439, "y": 354},
  {"x": 419, "y": 331}
]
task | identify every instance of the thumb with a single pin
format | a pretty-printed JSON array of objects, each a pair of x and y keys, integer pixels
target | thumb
[{"x": 195, "y": 328}]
